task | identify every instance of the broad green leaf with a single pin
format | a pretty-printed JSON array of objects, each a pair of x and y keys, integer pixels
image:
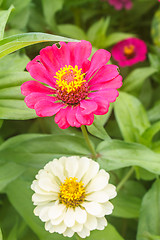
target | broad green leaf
[
  {"x": 9, "y": 172},
  {"x": 149, "y": 133},
  {"x": 49, "y": 9},
  {"x": 4, "y": 14},
  {"x": 1, "y": 237},
  {"x": 131, "y": 117},
  {"x": 72, "y": 31},
  {"x": 97, "y": 32},
  {"x": 154, "y": 113},
  {"x": 13, "y": 233},
  {"x": 13, "y": 43},
  {"x": 113, "y": 38},
  {"x": 20, "y": 195},
  {"x": 150, "y": 213},
  {"x": 155, "y": 28},
  {"x": 1, "y": 122},
  {"x": 134, "y": 81},
  {"x": 37, "y": 149},
  {"x": 13, "y": 62},
  {"x": 97, "y": 128},
  {"x": 109, "y": 233},
  {"x": 126, "y": 206},
  {"x": 118, "y": 154}
]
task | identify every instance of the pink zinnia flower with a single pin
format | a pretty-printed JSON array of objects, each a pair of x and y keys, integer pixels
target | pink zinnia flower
[
  {"x": 119, "y": 4},
  {"x": 69, "y": 85},
  {"x": 129, "y": 51}
]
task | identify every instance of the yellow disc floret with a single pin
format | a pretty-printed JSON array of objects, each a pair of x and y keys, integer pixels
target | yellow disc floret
[
  {"x": 72, "y": 193},
  {"x": 69, "y": 78},
  {"x": 129, "y": 50}
]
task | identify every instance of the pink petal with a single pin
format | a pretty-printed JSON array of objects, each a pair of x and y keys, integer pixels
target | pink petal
[
  {"x": 60, "y": 118},
  {"x": 39, "y": 72},
  {"x": 84, "y": 119},
  {"x": 99, "y": 59},
  {"x": 79, "y": 52},
  {"x": 62, "y": 54},
  {"x": 46, "y": 108},
  {"x": 88, "y": 106},
  {"x": 33, "y": 86},
  {"x": 114, "y": 83},
  {"x": 109, "y": 94},
  {"x": 106, "y": 73},
  {"x": 86, "y": 66},
  {"x": 34, "y": 97},
  {"x": 103, "y": 105},
  {"x": 71, "y": 117}
]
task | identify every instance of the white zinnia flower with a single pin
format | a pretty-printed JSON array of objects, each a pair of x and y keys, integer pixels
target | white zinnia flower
[{"x": 72, "y": 195}]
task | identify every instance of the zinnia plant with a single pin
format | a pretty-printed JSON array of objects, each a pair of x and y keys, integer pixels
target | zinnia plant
[
  {"x": 72, "y": 196},
  {"x": 70, "y": 86},
  {"x": 129, "y": 52}
]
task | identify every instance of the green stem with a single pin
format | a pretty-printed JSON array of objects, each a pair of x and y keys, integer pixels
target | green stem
[
  {"x": 85, "y": 134},
  {"x": 77, "y": 237},
  {"x": 130, "y": 172}
]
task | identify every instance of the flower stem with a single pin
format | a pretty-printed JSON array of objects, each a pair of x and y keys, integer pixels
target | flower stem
[
  {"x": 77, "y": 237},
  {"x": 126, "y": 177},
  {"x": 85, "y": 134}
]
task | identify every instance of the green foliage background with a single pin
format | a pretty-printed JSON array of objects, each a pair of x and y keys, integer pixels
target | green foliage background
[{"x": 126, "y": 139}]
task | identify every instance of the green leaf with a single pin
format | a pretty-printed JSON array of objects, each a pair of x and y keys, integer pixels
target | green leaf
[
  {"x": 149, "y": 133},
  {"x": 1, "y": 237},
  {"x": 126, "y": 206},
  {"x": 37, "y": 149},
  {"x": 9, "y": 172},
  {"x": 50, "y": 8},
  {"x": 134, "y": 81},
  {"x": 131, "y": 117},
  {"x": 20, "y": 195},
  {"x": 4, "y": 14},
  {"x": 13, "y": 43},
  {"x": 118, "y": 154},
  {"x": 109, "y": 233},
  {"x": 154, "y": 113},
  {"x": 97, "y": 129},
  {"x": 155, "y": 28},
  {"x": 72, "y": 31},
  {"x": 113, "y": 38},
  {"x": 150, "y": 213}
]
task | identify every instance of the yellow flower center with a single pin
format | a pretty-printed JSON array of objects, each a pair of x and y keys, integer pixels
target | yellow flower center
[
  {"x": 72, "y": 193},
  {"x": 129, "y": 50},
  {"x": 70, "y": 78}
]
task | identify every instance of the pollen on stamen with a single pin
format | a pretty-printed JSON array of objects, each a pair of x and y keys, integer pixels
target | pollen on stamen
[{"x": 72, "y": 193}]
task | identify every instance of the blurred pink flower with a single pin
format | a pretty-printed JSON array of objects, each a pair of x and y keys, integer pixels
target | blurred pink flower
[
  {"x": 129, "y": 51},
  {"x": 119, "y": 4},
  {"x": 69, "y": 85}
]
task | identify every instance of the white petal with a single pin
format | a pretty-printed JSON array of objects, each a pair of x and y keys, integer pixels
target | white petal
[
  {"x": 61, "y": 228},
  {"x": 98, "y": 182},
  {"x": 72, "y": 166},
  {"x": 91, "y": 222},
  {"x": 56, "y": 211},
  {"x": 111, "y": 191},
  {"x": 77, "y": 227},
  {"x": 108, "y": 208},
  {"x": 94, "y": 208},
  {"x": 57, "y": 169},
  {"x": 49, "y": 227},
  {"x": 99, "y": 196},
  {"x": 68, "y": 233},
  {"x": 69, "y": 217},
  {"x": 80, "y": 215},
  {"x": 43, "y": 198},
  {"x": 84, "y": 233},
  {"x": 46, "y": 184},
  {"x": 83, "y": 167},
  {"x": 101, "y": 223},
  {"x": 58, "y": 220},
  {"x": 91, "y": 173}
]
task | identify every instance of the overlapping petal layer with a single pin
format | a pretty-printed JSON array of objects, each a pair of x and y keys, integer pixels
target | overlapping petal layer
[{"x": 51, "y": 182}]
